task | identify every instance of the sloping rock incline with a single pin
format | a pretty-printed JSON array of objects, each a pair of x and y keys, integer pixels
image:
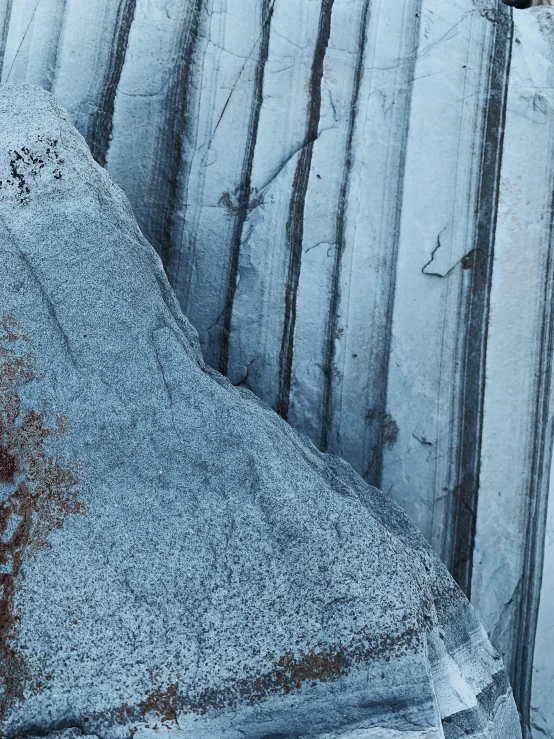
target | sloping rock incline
[{"x": 173, "y": 556}]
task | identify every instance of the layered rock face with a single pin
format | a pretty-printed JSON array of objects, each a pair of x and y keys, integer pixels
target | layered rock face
[
  {"x": 352, "y": 201},
  {"x": 175, "y": 557}
]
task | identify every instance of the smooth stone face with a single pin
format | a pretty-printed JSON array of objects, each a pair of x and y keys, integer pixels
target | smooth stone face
[{"x": 174, "y": 555}]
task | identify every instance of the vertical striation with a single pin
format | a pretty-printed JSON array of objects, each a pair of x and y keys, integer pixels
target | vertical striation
[
  {"x": 96, "y": 33},
  {"x": 216, "y": 190},
  {"x": 99, "y": 127},
  {"x": 474, "y": 316},
  {"x": 438, "y": 337},
  {"x": 159, "y": 90},
  {"x": 374, "y": 261},
  {"x": 511, "y": 581},
  {"x": 295, "y": 222},
  {"x": 5, "y": 18},
  {"x": 175, "y": 558},
  {"x": 243, "y": 192},
  {"x": 358, "y": 236},
  {"x": 340, "y": 240},
  {"x": 32, "y": 41},
  {"x": 266, "y": 278}
]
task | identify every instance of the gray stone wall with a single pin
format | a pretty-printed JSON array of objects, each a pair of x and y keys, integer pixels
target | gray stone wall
[{"x": 353, "y": 203}]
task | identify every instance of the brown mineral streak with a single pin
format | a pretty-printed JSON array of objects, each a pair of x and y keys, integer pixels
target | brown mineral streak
[
  {"x": 292, "y": 672},
  {"x": 162, "y": 702},
  {"x": 44, "y": 495},
  {"x": 289, "y": 673}
]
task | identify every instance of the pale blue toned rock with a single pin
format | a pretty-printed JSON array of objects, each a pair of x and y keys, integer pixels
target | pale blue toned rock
[
  {"x": 174, "y": 556},
  {"x": 353, "y": 203}
]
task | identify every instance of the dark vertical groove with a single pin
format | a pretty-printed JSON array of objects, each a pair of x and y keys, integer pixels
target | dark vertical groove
[
  {"x": 527, "y": 612},
  {"x": 340, "y": 234},
  {"x": 475, "y": 318},
  {"x": 99, "y": 128},
  {"x": 245, "y": 184},
  {"x": 374, "y": 470},
  {"x": 295, "y": 222},
  {"x": 4, "y": 35},
  {"x": 49, "y": 81},
  {"x": 166, "y": 182}
]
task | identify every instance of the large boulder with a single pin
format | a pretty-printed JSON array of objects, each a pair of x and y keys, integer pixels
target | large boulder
[
  {"x": 174, "y": 556},
  {"x": 398, "y": 156}
]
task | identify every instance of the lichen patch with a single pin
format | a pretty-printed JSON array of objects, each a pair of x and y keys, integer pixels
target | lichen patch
[
  {"x": 44, "y": 492},
  {"x": 292, "y": 671},
  {"x": 26, "y": 165},
  {"x": 163, "y": 702}
]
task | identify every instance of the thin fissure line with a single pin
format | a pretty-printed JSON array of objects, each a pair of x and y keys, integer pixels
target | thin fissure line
[{"x": 22, "y": 40}]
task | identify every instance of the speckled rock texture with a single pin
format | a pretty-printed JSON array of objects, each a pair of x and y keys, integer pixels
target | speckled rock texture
[
  {"x": 174, "y": 556},
  {"x": 352, "y": 200}
]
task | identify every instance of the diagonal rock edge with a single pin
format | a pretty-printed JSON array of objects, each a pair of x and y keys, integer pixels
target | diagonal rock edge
[{"x": 466, "y": 676}]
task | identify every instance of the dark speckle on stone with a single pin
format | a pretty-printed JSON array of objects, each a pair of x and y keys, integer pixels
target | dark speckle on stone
[
  {"x": 8, "y": 465},
  {"x": 227, "y": 578}
]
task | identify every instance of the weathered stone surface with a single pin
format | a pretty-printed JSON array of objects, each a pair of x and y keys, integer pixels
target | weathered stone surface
[
  {"x": 174, "y": 555},
  {"x": 513, "y": 577},
  {"x": 352, "y": 199}
]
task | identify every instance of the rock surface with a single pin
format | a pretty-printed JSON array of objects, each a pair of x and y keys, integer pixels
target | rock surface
[
  {"x": 174, "y": 556},
  {"x": 396, "y": 304}
]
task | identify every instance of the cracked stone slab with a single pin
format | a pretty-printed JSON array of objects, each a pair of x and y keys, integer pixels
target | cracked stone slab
[{"x": 181, "y": 559}]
